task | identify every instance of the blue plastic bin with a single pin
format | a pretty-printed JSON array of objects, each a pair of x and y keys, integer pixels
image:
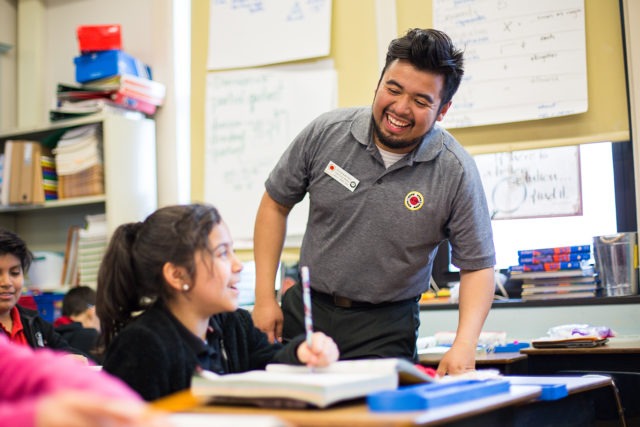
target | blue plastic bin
[
  {"x": 49, "y": 305},
  {"x": 98, "y": 65}
]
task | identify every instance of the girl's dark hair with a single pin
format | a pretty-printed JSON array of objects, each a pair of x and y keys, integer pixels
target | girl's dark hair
[
  {"x": 130, "y": 278},
  {"x": 429, "y": 50},
  {"x": 10, "y": 243}
]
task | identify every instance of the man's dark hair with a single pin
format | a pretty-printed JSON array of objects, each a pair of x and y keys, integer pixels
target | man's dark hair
[
  {"x": 77, "y": 300},
  {"x": 429, "y": 50}
]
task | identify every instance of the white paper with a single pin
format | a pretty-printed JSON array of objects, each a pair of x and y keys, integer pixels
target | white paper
[
  {"x": 524, "y": 60},
  {"x": 252, "y": 117},
  {"x": 258, "y": 32}
]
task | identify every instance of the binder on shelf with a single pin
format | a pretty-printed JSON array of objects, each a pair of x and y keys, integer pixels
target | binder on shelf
[
  {"x": 22, "y": 173},
  {"x": 37, "y": 189},
  {"x": 6, "y": 173}
]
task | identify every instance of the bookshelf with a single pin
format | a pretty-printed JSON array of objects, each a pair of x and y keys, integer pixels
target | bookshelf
[{"x": 129, "y": 157}]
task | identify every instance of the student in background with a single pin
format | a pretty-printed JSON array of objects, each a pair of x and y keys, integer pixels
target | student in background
[
  {"x": 179, "y": 269},
  {"x": 43, "y": 389},
  {"x": 79, "y": 324},
  {"x": 22, "y": 325},
  {"x": 386, "y": 185}
]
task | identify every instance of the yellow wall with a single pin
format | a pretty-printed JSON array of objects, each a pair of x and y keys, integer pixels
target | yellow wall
[{"x": 353, "y": 50}]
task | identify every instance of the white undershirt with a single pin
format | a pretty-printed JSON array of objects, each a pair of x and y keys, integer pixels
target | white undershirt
[{"x": 390, "y": 158}]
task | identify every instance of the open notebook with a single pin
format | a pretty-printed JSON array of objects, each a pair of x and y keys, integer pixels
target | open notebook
[{"x": 298, "y": 386}]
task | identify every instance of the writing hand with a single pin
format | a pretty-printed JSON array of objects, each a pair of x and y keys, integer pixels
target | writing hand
[{"x": 323, "y": 351}]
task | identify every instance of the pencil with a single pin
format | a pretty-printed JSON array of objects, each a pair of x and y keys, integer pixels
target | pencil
[{"x": 306, "y": 300}]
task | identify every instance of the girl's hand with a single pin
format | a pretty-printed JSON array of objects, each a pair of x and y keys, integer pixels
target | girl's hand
[{"x": 323, "y": 351}]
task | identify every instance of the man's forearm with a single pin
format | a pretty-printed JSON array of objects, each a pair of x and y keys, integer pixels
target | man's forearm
[{"x": 476, "y": 295}]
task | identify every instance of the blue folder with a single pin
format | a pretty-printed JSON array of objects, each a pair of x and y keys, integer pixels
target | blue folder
[{"x": 428, "y": 396}]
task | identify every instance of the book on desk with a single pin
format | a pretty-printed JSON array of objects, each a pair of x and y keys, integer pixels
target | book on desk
[{"x": 288, "y": 386}]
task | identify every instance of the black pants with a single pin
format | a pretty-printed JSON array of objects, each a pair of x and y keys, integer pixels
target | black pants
[{"x": 372, "y": 331}]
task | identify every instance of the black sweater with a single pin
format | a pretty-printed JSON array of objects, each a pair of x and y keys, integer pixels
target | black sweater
[
  {"x": 151, "y": 355},
  {"x": 41, "y": 333}
]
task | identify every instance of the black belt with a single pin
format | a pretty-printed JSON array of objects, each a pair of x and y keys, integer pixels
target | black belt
[{"x": 344, "y": 302}]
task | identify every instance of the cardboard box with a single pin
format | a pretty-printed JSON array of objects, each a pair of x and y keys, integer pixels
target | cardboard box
[
  {"x": 93, "y": 38},
  {"x": 98, "y": 65}
]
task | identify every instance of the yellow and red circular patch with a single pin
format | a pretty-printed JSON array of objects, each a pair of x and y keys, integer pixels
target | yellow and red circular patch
[{"x": 413, "y": 200}]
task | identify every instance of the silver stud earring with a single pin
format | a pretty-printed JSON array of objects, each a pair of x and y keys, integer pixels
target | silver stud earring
[{"x": 185, "y": 287}]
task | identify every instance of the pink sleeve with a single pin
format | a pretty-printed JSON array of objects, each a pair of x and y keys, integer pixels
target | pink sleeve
[
  {"x": 25, "y": 374},
  {"x": 21, "y": 414}
]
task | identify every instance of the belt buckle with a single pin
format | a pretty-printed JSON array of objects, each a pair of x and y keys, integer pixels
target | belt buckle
[{"x": 342, "y": 302}]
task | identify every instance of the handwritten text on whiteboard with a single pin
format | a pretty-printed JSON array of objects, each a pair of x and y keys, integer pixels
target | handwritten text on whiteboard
[
  {"x": 524, "y": 60},
  {"x": 532, "y": 183}
]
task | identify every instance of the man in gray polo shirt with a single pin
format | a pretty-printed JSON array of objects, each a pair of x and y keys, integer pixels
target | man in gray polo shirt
[{"x": 386, "y": 186}]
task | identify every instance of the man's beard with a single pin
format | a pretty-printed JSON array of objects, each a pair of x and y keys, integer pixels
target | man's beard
[{"x": 392, "y": 143}]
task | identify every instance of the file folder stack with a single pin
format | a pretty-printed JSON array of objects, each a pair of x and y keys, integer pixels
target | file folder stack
[
  {"x": 92, "y": 245},
  {"x": 78, "y": 158}
]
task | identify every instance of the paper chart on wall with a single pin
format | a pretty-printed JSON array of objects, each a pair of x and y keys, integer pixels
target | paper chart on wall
[
  {"x": 260, "y": 32},
  {"x": 524, "y": 60},
  {"x": 532, "y": 183},
  {"x": 252, "y": 117}
]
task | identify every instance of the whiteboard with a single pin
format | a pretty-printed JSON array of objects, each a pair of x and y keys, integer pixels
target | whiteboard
[
  {"x": 259, "y": 32},
  {"x": 524, "y": 60},
  {"x": 532, "y": 183},
  {"x": 251, "y": 117}
]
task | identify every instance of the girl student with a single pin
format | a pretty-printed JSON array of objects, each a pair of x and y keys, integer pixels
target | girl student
[{"x": 178, "y": 269}]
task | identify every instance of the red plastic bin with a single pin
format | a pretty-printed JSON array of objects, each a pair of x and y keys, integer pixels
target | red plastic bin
[{"x": 92, "y": 38}]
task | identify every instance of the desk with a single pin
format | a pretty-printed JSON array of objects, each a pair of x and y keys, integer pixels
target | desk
[
  {"x": 619, "y": 354},
  {"x": 357, "y": 414},
  {"x": 511, "y": 363},
  {"x": 620, "y": 358},
  {"x": 519, "y": 407}
]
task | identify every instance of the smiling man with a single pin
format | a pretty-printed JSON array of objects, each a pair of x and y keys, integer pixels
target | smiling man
[{"x": 386, "y": 186}]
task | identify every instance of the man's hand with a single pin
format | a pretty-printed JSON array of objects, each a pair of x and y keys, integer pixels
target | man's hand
[
  {"x": 268, "y": 318},
  {"x": 461, "y": 358}
]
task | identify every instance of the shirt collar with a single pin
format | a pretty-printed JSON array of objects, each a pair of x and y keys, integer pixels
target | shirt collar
[{"x": 16, "y": 334}]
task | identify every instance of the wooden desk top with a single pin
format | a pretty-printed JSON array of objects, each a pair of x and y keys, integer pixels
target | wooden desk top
[
  {"x": 481, "y": 359},
  {"x": 357, "y": 414},
  {"x": 523, "y": 390},
  {"x": 614, "y": 346}
]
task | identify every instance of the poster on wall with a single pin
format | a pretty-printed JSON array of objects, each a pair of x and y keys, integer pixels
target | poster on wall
[
  {"x": 251, "y": 118},
  {"x": 524, "y": 60},
  {"x": 532, "y": 183},
  {"x": 252, "y": 33}
]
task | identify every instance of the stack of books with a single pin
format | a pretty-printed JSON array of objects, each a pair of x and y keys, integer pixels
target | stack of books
[
  {"x": 84, "y": 252},
  {"x": 109, "y": 78},
  {"x": 92, "y": 244},
  {"x": 78, "y": 159},
  {"x": 555, "y": 273},
  {"x": 49, "y": 178}
]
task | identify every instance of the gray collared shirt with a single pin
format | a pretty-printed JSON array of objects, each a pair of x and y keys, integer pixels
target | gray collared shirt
[{"x": 372, "y": 232}]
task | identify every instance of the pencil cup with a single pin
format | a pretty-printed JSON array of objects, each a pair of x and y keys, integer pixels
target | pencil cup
[{"x": 617, "y": 263}]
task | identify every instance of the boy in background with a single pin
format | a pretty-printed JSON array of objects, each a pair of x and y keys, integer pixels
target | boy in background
[{"x": 79, "y": 325}]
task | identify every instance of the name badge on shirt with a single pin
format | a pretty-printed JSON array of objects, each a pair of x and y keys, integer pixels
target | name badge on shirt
[{"x": 342, "y": 176}]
